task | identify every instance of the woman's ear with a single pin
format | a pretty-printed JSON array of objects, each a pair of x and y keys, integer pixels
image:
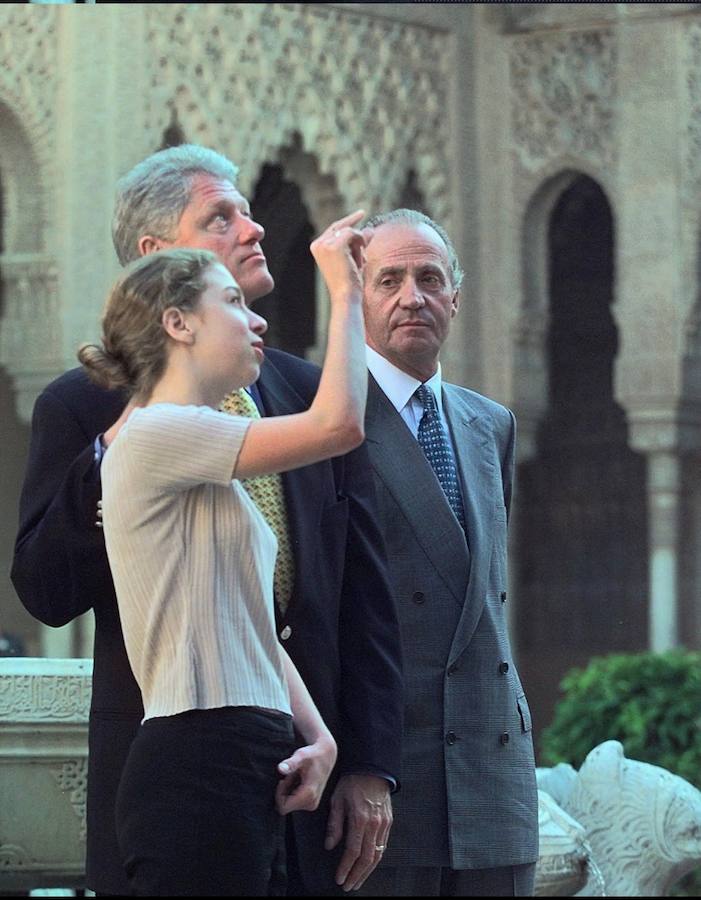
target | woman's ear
[{"x": 177, "y": 326}]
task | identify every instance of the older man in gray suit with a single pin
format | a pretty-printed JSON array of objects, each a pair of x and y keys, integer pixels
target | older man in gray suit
[{"x": 466, "y": 818}]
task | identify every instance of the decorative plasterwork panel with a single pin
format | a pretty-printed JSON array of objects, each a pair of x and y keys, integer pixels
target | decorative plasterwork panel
[
  {"x": 31, "y": 698},
  {"x": 692, "y": 138},
  {"x": 72, "y": 779},
  {"x": 29, "y": 80},
  {"x": 30, "y": 333},
  {"x": 563, "y": 93},
  {"x": 369, "y": 96}
]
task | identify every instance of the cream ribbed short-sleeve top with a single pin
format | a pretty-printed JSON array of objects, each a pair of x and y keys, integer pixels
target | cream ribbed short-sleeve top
[{"x": 192, "y": 560}]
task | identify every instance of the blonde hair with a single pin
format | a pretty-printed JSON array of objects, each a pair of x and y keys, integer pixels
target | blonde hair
[{"x": 133, "y": 354}]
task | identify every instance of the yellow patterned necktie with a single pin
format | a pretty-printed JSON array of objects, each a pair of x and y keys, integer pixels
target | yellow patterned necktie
[{"x": 266, "y": 493}]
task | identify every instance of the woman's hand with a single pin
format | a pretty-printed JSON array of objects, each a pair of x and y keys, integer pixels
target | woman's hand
[
  {"x": 304, "y": 775},
  {"x": 339, "y": 252}
]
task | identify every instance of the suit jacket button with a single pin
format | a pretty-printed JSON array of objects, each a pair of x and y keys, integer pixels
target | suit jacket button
[
  {"x": 503, "y": 597},
  {"x": 452, "y": 669},
  {"x": 285, "y": 633},
  {"x": 451, "y": 738},
  {"x": 504, "y": 738},
  {"x": 503, "y": 667},
  {"x": 418, "y": 597}
]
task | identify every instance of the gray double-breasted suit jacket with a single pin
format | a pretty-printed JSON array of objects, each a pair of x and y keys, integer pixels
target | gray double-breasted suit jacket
[{"x": 468, "y": 797}]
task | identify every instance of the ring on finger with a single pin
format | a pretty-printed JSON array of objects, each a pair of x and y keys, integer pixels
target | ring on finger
[{"x": 380, "y": 848}]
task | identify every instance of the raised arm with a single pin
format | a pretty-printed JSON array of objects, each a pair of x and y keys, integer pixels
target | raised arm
[{"x": 334, "y": 423}]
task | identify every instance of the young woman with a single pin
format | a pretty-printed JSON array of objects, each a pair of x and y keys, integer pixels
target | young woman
[{"x": 213, "y": 765}]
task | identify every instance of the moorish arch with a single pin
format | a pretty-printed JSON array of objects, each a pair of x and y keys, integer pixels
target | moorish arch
[
  {"x": 581, "y": 518},
  {"x": 30, "y": 322},
  {"x": 294, "y": 202},
  {"x": 21, "y": 242},
  {"x": 366, "y": 132}
]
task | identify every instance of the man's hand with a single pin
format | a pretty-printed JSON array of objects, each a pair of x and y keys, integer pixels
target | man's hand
[
  {"x": 305, "y": 774},
  {"x": 361, "y": 803}
]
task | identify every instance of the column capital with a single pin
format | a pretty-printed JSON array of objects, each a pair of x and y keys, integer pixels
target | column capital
[{"x": 664, "y": 429}]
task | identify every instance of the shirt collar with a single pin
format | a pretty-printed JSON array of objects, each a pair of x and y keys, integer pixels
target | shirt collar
[{"x": 398, "y": 385}]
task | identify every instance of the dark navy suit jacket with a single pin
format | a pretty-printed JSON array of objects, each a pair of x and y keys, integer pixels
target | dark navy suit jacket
[{"x": 341, "y": 625}]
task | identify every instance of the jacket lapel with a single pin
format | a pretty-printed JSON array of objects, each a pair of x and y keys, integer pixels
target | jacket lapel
[
  {"x": 395, "y": 454},
  {"x": 303, "y": 497},
  {"x": 471, "y": 435}
]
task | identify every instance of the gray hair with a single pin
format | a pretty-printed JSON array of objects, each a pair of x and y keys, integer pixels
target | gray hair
[
  {"x": 414, "y": 217},
  {"x": 152, "y": 197}
]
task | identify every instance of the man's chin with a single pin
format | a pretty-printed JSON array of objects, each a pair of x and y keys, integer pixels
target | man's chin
[{"x": 256, "y": 286}]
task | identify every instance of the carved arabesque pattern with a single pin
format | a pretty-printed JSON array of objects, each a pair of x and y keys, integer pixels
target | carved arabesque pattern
[
  {"x": 691, "y": 181},
  {"x": 29, "y": 78},
  {"x": 13, "y": 858},
  {"x": 31, "y": 698},
  {"x": 72, "y": 778},
  {"x": 693, "y": 105},
  {"x": 246, "y": 78},
  {"x": 562, "y": 97},
  {"x": 31, "y": 331}
]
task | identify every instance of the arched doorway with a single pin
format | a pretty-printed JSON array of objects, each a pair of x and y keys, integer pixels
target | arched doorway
[
  {"x": 291, "y": 307},
  {"x": 18, "y": 632},
  {"x": 582, "y": 523}
]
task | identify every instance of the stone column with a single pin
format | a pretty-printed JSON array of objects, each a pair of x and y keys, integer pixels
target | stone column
[{"x": 663, "y": 487}]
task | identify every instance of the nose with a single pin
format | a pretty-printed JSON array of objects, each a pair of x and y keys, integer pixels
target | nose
[
  {"x": 411, "y": 296},
  {"x": 251, "y": 232},
  {"x": 256, "y": 323}
]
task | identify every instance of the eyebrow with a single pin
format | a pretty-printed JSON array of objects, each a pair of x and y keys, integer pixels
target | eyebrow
[
  {"x": 390, "y": 270},
  {"x": 223, "y": 205},
  {"x": 431, "y": 267}
]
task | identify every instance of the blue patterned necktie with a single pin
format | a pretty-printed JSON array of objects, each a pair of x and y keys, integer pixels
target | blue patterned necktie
[{"x": 436, "y": 446}]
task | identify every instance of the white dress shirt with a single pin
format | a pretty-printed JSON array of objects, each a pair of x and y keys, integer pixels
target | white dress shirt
[{"x": 400, "y": 387}]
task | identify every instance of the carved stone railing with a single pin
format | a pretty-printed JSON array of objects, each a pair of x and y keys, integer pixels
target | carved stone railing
[
  {"x": 616, "y": 827},
  {"x": 30, "y": 325},
  {"x": 44, "y": 706}
]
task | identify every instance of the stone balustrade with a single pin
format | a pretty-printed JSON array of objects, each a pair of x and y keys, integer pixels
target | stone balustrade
[
  {"x": 616, "y": 827},
  {"x": 44, "y": 706}
]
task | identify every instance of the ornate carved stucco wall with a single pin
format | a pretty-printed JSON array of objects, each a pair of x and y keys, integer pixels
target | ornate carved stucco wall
[
  {"x": 368, "y": 96},
  {"x": 30, "y": 329},
  {"x": 582, "y": 100},
  {"x": 611, "y": 91}
]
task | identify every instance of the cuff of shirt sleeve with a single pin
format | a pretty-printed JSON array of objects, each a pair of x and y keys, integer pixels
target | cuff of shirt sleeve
[
  {"x": 98, "y": 450},
  {"x": 379, "y": 773}
]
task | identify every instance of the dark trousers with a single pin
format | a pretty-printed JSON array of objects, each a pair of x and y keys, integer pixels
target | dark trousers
[
  {"x": 195, "y": 809},
  {"x": 416, "y": 881}
]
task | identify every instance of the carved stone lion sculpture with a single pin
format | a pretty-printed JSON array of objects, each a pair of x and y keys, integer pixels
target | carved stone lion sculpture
[
  {"x": 564, "y": 862},
  {"x": 642, "y": 822}
]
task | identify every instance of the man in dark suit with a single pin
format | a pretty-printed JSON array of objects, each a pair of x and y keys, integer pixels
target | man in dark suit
[
  {"x": 466, "y": 819},
  {"x": 340, "y": 625}
]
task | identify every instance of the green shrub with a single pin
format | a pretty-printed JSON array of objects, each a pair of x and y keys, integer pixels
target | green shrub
[{"x": 650, "y": 702}]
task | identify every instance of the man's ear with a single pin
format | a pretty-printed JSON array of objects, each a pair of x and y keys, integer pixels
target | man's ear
[
  {"x": 455, "y": 303},
  {"x": 177, "y": 325},
  {"x": 149, "y": 244}
]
